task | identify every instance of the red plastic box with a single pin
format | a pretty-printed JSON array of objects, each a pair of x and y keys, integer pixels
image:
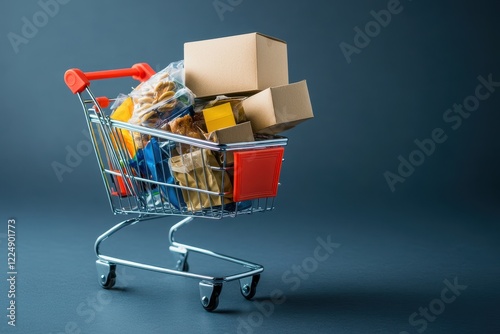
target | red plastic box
[{"x": 256, "y": 173}]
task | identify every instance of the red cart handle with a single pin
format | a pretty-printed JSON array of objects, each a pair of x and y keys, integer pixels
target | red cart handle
[{"x": 77, "y": 80}]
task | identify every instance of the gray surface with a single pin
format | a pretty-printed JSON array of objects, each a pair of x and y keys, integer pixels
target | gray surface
[
  {"x": 396, "y": 248},
  {"x": 386, "y": 267}
]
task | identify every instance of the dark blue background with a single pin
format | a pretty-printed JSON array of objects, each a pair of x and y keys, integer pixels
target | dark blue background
[{"x": 396, "y": 247}]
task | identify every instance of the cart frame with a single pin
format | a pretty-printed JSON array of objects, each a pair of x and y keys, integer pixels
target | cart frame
[{"x": 111, "y": 151}]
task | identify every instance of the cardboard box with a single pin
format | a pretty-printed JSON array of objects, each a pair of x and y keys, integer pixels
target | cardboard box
[
  {"x": 278, "y": 109},
  {"x": 236, "y": 64},
  {"x": 240, "y": 133}
]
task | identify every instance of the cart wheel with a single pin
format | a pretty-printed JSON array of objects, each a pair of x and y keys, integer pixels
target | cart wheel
[
  {"x": 106, "y": 273},
  {"x": 248, "y": 286},
  {"x": 209, "y": 294}
]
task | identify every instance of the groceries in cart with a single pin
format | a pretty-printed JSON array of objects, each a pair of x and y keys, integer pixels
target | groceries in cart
[
  {"x": 197, "y": 139},
  {"x": 241, "y": 112},
  {"x": 231, "y": 92}
]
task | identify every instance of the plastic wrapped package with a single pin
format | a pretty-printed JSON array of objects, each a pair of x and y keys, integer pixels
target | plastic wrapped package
[
  {"x": 185, "y": 126},
  {"x": 196, "y": 170},
  {"x": 118, "y": 101},
  {"x": 161, "y": 99}
]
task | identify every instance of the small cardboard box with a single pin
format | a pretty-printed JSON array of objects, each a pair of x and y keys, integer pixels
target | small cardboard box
[
  {"x": 236, "y": 64},
  {"x": 278, "y": 109},
  {"x": 240, "y": 133}
]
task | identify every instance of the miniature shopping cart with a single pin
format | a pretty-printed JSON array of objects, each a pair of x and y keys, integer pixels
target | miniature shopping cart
[{"x": 174, "y": 175}]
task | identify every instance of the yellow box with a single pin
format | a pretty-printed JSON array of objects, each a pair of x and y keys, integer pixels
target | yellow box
[{"x": 219, "y": 117}]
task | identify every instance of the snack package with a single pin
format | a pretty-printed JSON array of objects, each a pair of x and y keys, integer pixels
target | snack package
[
  {"x": 123, "y": 109},
  {"x": 194, "y": 170},
  {"x": 161, "y": 99},
  {"x": 185, "y": 126}
]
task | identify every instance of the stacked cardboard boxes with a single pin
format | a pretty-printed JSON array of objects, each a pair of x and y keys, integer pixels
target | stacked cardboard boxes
[{"x": 253, "y": 65}]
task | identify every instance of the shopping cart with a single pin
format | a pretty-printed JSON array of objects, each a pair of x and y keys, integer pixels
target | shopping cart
[{"x": 144, "y": 184}]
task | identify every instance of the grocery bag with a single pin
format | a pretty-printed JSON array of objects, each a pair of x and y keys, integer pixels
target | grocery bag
[{"x": 199, "y": 169}]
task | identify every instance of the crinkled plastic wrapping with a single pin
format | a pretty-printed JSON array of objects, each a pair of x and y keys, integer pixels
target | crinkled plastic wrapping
[
  {"x": 161, "y": 99},
  {"x": 194, "y": 170}
]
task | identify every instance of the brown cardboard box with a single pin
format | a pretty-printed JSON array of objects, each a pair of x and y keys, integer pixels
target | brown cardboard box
[
  {"x": 278, "y": 109},
  {"x": 240, "y": 133},
  {"x": 236, "y": 64},
  {"x": 234, "y": 134}
]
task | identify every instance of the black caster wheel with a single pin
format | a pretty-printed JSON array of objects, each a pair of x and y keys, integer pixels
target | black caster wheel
[
  {"x": 209, "y": 294},
  {"x": 248, "y": 286},
  {"x": 106, "y": 274}
]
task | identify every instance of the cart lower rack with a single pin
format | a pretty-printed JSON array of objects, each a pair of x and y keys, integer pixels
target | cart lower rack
[{"x": 173, "y": 175}]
